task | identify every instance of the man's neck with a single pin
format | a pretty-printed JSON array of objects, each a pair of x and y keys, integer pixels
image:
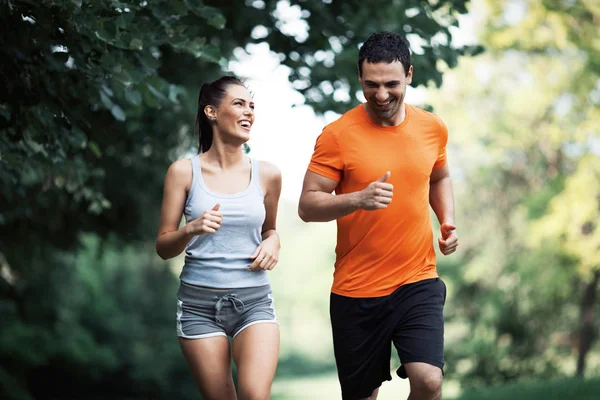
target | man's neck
[{"x": 395, "y": 120}]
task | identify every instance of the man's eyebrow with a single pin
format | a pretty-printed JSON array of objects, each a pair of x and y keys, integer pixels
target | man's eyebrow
[{"x": 394, "y": 82}]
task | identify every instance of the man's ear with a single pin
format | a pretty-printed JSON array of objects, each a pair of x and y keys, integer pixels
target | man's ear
[{"x": 409, "y": 75}]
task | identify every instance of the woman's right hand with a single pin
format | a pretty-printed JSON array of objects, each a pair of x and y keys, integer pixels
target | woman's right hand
[{"x": 208, "y": 222}]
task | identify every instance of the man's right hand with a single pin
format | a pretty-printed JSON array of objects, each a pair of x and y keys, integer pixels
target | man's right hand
[
  {"x": 376, "y": 195},
  {"x": 208, "y": 222}
]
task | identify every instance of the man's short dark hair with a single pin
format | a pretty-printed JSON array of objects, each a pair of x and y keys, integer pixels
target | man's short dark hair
[{"x": 384, "y": 47}]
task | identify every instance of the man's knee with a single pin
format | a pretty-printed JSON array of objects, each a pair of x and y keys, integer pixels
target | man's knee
[
  {"x": 427, "y": 386},
  {"x": 373, "y": 395}
]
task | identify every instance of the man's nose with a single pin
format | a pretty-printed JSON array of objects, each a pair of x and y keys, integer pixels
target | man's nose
[{"x": 381, "y": 94}]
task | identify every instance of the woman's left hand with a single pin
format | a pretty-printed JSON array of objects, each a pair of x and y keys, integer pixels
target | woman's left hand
[{"x": 266, "y": 254}]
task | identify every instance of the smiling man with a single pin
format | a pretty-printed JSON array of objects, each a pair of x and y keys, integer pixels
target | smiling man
[{"x": 386, "y": 162}]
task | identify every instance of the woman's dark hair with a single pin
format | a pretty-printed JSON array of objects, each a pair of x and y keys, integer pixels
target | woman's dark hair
[
  {"x": 211, "y": 94},
  {"x": 384, "y": 47}
]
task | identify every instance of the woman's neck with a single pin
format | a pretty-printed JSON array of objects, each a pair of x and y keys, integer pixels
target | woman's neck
[{"x": 223, "y": 156}]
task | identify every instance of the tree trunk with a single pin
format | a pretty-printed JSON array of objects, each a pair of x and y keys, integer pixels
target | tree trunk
[{"x": 587, "y": 333}]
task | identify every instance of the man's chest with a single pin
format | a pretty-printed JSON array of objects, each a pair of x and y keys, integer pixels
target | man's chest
[{"x": 409, "y": 157}]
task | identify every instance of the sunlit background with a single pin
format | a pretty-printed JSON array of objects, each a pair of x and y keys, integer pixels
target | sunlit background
[{"x": 100, "y": 97}]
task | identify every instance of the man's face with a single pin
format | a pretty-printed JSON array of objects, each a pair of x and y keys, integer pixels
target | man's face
[{"x": 384, "y": 87}]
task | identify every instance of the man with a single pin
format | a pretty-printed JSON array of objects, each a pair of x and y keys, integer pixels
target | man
[{"x": 386, "y": 162}]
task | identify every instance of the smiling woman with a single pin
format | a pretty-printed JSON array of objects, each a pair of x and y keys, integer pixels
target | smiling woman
[
  {"x": 226, "y": 106},
  {"x": 230, "y": 205}
]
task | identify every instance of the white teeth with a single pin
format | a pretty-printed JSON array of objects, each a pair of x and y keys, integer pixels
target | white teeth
[{"x": 245, "y": 124}]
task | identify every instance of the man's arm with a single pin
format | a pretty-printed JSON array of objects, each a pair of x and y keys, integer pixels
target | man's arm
[
  {"x": 441, "y": 199},
  {"x": 318, "y": 204},
  {"x": 441, "y": 196}
]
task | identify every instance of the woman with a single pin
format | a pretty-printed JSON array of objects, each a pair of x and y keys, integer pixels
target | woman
[{"x": 230, "y": 205}]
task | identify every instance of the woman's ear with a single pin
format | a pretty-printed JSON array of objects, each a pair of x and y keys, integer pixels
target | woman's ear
[{"x": 211, "y": 113}]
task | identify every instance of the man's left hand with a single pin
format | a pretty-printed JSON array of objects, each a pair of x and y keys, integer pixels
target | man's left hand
[{"x": 449, "y": 240}]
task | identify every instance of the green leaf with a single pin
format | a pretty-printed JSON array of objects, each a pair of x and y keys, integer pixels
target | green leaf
[
  {"x": 35, "y": 146},
  {"x": 212, "y": 15},
  {"x": 156, "y": 93},
  {"x": 77, "y": 138},
  {"x": 149, "y": 98},
  {"x": 218, "y": 21},
  {"x": 93, "y": 146},
  {"x": 210, "y": 52},
  {"x": 148, "y": 60},
  {"x": 106, "y": 100},
  {"x": 199, "y": 49},
  {"x": 174, "y": 92},
  {"x": 125, "y": 20},
  {"x": 118, "y": 113},
  {"x": 136, "y": 44},
  {"x": 133, "y": 96},
  {"x": 107, "y": 90},
  {"x": 126, "y": 78},
  {"x": 157, "y": 87}
]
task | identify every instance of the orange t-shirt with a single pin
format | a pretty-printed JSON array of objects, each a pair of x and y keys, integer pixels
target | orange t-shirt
[{"x": 378, "y": 251}]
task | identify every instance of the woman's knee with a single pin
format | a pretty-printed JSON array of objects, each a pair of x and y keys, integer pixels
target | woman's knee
[
  {"x": 254, "y": 392},
  {"x": 217, "y": 390}
]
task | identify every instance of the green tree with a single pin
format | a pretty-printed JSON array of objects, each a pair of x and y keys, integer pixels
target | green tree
[
  {"x": 525, "y": 141},
  {"x": 96, "y": 99}
]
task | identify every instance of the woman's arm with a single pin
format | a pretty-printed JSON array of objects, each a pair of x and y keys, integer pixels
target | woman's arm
[
  {"x": 171, "y": 239},
  {"x": 266, "y": 255}
]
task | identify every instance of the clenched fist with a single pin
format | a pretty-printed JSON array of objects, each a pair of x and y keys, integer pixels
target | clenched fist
[
  {"x": 208, "y": 222},
  {"x": 449, "y": 240}
]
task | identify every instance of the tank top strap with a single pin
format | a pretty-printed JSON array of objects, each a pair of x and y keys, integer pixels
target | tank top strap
[
  {"x": 196, "y": 170},
  {"x": 255, "y": 179}
]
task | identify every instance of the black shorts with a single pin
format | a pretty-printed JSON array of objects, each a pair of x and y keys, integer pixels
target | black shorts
[{"x": 363, "y": 329}]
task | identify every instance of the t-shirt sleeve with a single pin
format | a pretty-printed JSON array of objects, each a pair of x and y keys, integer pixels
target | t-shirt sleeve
[
  {"x": 443, "y": 140},
  {"x": 326, "y": 159}
]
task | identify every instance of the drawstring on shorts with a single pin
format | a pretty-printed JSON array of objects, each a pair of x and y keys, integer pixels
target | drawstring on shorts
[{"x": 238, "y": 305}]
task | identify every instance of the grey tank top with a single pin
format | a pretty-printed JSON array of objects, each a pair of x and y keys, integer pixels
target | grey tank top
[{"x": 221, "y": 259}]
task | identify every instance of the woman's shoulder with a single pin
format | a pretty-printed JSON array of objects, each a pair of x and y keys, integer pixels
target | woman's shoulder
[
  {"x": 270, "y": 176},
  {"x": 181, "y": 171},
  {"x": 269, "y": 170}
]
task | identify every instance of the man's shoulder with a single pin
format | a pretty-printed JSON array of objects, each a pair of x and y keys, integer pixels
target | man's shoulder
[
  {"x": 425, "y": 116},
  {"x": 347, "y": 120},
  {"x": 422, "y": 113}
]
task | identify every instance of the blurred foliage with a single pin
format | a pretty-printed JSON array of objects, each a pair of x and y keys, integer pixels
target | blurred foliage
[
  {"x": 96, "y": 99},
  {"x": 539, "y": 390},
  {"x": 100, "y": 329},
  {"x": 526, "y": 151}
]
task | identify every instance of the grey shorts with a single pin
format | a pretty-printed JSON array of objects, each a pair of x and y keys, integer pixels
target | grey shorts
[{"x": 205, "y": 312}]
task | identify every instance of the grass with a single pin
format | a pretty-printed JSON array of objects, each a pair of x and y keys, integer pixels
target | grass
[
  {"x": 577, "y": 389},
  {"x": 327, "y": 387}
]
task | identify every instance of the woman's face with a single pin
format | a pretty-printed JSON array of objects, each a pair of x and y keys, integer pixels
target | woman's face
[{"x": 235, "y": 115}]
